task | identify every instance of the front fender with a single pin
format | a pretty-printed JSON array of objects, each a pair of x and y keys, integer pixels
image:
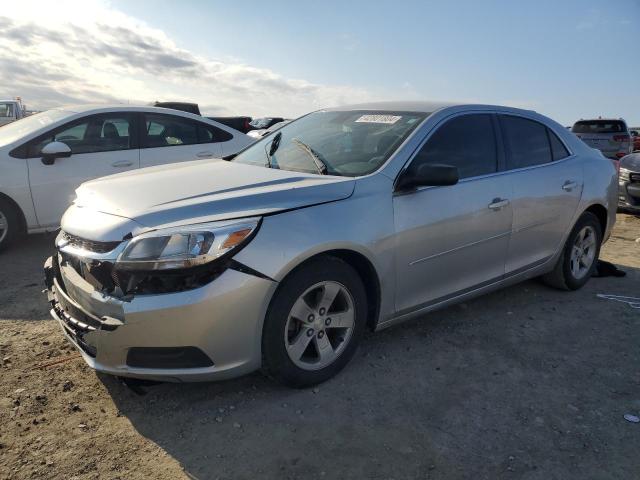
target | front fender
[{"x": 362, "y": 223}]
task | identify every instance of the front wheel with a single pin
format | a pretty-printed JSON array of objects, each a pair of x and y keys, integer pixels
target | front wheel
[
  {"x": 9, "y": 224},
  {"x": 579, "y": 256},
  {"x": 314, "y": 323}
]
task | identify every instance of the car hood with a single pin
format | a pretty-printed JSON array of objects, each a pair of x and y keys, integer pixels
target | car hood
[
  {"x": 201, "y": 191},
  {"x": 631, "y": 162}
]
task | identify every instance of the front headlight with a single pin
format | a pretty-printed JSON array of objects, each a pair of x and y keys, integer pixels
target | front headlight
[
  {"x": 623, "y": 174},
  {"x": 185, "y": 247}
]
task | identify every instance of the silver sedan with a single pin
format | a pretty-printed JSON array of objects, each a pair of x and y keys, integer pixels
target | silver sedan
[{"x": 345, "y": 219}]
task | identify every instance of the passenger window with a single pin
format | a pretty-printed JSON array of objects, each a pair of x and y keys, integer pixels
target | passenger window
[
  {"x": 467, "y": 142},
  {"x": 169, "y": 131},
  {"x": 211, "y": 134},
  {"x": 558, "y": 150},
  {"x": 526, "y": 141},
  {"x": 92, "y": 135}
]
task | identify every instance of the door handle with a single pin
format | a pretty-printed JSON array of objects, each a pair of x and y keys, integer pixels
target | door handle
[
  {"x": 204, "y": 154},
  {"x": 498, "y": 203},
  {"x": 569, "y": 185},
  {"x": 122, "y": 164}
]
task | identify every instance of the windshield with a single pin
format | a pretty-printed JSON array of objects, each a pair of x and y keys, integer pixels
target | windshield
[
  {"x": 6, "y": 110},
  {"x": 599, "y": 126},
  {"x": 18, "y": 129},
  {"x": 350, "y": 143}
]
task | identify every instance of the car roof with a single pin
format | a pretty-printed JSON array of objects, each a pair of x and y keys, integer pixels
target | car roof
[
  {"x": 97, "y": 108},
  {"x": 422, "y": 106},
  {"x": 602, "y": 119}
]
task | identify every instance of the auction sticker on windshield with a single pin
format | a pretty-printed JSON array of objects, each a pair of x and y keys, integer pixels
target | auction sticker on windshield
[{"x": 378, "y": 119}]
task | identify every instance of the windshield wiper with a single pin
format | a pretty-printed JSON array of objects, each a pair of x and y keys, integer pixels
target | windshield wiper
[
  {"x": 315, "y": 156},
  {"x": 275, "y": 143}
]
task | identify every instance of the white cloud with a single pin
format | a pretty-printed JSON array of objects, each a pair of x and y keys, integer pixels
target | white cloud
[{"x": 54, "y": 53}]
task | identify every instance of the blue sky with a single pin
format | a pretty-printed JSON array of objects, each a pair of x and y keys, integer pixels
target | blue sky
[{"x": 567, "y": 59}]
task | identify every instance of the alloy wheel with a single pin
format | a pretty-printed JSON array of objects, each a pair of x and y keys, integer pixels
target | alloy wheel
[
  {"x": 320, "y": 325},
  {"x": 4, "y": 226},
  {"x": 583, "y": 252}
]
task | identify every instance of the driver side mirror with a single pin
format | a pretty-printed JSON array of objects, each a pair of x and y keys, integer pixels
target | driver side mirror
[
  {"x": 427, "y": 175},
  {"x": 54, "y": 150}
]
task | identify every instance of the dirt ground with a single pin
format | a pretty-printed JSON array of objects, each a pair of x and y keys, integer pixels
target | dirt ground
[{"x": 527, "y": 383}]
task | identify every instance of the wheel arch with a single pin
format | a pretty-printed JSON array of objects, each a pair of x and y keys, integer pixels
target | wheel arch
[
  {"x": 365, "y": 270},
  {"x": 601, "y": 213},
  {"x": 21, "y": 217}
]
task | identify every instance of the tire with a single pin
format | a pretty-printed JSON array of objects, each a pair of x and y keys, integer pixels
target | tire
[
  {"x": 10, "y": 225},
  {"x": 304, "y": 293},
  {"x": 564, "y": 275}
]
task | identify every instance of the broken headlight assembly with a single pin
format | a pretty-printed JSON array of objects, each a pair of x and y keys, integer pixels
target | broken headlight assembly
[{"x": 180, "y": 258}]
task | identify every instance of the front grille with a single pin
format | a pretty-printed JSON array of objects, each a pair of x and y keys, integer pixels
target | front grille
[
  {"x": 97, "y": 273},
  {"x": 634, "y": 177},
  {"x": 90, "y": 245}
]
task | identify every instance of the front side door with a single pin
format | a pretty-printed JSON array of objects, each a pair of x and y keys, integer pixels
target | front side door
[
  {"x": 547, "y": 186},
  {"x": 100, "y": 145},
  {"x": 171, "y": 138},
  {"x": 453, "y": 239}
]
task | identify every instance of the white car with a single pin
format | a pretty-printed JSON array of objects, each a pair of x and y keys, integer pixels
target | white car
[{"x": 45, "y": 157}]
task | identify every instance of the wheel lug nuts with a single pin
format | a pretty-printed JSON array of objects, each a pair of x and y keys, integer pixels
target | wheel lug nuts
[
  {"x": 320, "y": 334},
  {"x": 310, "y": 332},
  {"x": 322, "y": 310},
  {"x": 311, "y": 318},
  {"x": 327, "y": 322}
]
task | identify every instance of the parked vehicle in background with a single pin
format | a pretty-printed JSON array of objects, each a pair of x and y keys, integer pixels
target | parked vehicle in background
[
  {"x": 629, "y": 183},
  {"x": 610, "y": 136},
  {"x": 45, "y": 157},
  {"x": 635, "y": 138},
  {"x": 241, "y": 124},
  {"x": 11, "y": 110},
  {"x": 182, "y": 106},
  {"x": 261, "y": 133},
  {"x": 264, "y": 122},
  {"x": 344, "y": 219}
]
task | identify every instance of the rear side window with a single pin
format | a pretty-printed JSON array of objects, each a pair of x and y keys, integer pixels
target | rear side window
[
  {"x": 467, "y": 142},
  {"x": 558, "y": 150},
  {"x": 599, "y": 126},
  {"x": 169, "y": 131},
  {"x": 526, "y": 141},
  {"x": 211, "y": 134}
]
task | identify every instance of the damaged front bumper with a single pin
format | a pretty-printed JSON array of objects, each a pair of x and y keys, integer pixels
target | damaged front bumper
[{"x": 209, "y": 333}]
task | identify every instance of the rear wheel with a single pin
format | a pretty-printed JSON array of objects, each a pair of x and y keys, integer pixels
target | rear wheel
[
  {"x": 9, "y": 224},
  {"x": 314, "y": 323},
  {"x": 579, "y": 256}
]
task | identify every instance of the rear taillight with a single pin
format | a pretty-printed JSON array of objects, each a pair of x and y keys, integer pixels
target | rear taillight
[
  {"x": 621, "y": 138},
  {"x": 620, "y": 154}
]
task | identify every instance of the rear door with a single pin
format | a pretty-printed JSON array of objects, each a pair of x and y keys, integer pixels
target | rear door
[
  {"x": 101, "y": 145},
  {"x": 547, "y": 184},
  {"x": 453, "y": 239},
  {"x": 171, "y": 138}
]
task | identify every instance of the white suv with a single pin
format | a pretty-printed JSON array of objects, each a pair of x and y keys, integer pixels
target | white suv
[
  {"x": 610, "y": 136},
  {"x": 45, "y": 157}
]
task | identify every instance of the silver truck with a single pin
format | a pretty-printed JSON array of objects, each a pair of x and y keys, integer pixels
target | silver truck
[{"x": 11, "y": 110}]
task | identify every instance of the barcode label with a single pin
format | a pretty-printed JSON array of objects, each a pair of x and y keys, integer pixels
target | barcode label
[{"x": 390, "y": 119}]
